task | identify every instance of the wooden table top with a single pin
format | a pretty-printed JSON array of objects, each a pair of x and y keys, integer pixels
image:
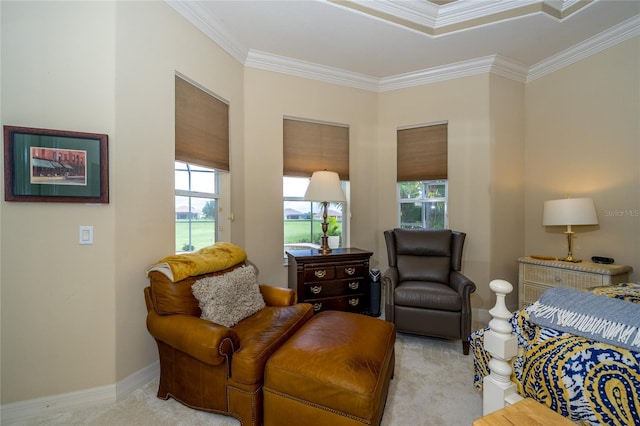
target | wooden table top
[{"x": 524, "y": 413}]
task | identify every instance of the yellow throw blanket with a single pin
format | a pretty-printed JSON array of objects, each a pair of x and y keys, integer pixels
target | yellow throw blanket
[{"x": 216, "y": 257}]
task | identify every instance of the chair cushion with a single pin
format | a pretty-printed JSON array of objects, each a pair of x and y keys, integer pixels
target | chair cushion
[
  {"x": 424, "y": 268},
  {"x": 427, "y": 295},
  {"x": 228, "y": 299},
  {"x": 171, "y": 298},
  {"x": 261, "y": 334},
  {"x": 423, "y": 243},
  {"x": 423, "y": 255}
]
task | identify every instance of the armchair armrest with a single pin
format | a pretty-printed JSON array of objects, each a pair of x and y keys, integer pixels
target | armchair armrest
[
  {"x": 461, "y": 283},
  {"x": 390, "y": 277},
  {"x": 389, "y": 281},
  {"x": 206, "y": 341},
  {"x": 278, "y": 296}
]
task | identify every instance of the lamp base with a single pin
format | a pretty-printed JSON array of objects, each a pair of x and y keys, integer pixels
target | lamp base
[
  {"x": 324, "y": 246},
  {"x": 571, "y": 259}
]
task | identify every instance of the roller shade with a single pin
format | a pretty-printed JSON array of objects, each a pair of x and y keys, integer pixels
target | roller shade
[
  {"x": 202, "y": 127},
  {"x": 422, "y": 153},
  {"x": 311, "y": 146}
]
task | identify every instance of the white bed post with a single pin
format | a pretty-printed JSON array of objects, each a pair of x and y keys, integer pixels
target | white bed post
[{"x": 501, "y": 343}]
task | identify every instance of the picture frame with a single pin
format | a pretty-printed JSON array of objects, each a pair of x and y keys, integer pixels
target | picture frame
[{"x": 44, "y": 165}]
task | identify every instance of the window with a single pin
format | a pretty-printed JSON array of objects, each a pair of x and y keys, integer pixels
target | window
[
  {"x": 423, "y": 204},
  {"x": 308, "y": 146},
  {"x": 201, "y": 155},
  {"x": 303, "y": 219},
  {"x": 196, "y": 204},
  {"x": 422, "y": 176}
]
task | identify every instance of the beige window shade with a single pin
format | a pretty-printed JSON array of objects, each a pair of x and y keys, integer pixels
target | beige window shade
[
  {"x": 202, "y": 127},
  {"x": 422, "y": 153},
  {"x": 312, "y": 146}
]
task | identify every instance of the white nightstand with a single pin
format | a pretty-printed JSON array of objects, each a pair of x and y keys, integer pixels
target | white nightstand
[{"x": 536, "y": 276}]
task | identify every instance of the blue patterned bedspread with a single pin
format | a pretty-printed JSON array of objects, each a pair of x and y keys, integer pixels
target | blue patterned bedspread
[{"x": 590, "y": 382}]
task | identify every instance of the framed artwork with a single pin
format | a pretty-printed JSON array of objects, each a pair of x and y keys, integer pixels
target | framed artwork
[{"x": 45, "y": 165}]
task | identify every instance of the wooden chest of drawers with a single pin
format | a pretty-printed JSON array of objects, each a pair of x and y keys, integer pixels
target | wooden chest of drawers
[
  {"x": 335, "y": 281},
  {"x": 536, "y": 276}
]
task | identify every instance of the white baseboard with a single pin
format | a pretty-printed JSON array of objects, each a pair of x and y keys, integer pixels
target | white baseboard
[
  {"x": 87, "y": 398},
  {"x": 133, "y": 381}
]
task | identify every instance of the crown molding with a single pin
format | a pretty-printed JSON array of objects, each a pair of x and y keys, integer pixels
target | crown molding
[
  {"x": 434, "y": 20},
  {"x": 489, "y": 64},
  {"x": 202, "y": 20},
  {"x": 270, "y": 62},
  {"x": 622, "y": 32}
]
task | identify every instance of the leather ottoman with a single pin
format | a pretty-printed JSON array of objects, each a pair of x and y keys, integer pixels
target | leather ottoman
[{"x": 334, "y": 371}]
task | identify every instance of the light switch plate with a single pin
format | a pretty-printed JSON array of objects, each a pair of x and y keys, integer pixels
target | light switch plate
[{"x": 86, "y": 234}]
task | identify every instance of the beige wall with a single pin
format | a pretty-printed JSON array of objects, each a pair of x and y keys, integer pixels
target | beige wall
[
  {"x": 506, "y": 191},
  {"x": 73, "y": 316},
  {"x": 583, "y": 140},
  {"x": 58, "y": 298}
]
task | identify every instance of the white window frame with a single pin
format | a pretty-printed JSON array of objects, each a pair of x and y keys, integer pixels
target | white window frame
[
  {"x": 425, "y": 199},
  {"x": 188, "y": 193}
]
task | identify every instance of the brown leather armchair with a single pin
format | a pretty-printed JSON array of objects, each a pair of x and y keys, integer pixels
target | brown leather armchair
[
  {"x": 211, "y": 367},
  {"x": 424, "y": 291}
]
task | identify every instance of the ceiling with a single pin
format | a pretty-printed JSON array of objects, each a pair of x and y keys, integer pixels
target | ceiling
[{"x": 387, "y": 44}]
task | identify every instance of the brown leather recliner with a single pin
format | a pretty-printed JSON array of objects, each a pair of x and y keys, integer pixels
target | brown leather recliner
[
  {"x": 424, "y": 291},
  {"x": 211, "y": 367}
]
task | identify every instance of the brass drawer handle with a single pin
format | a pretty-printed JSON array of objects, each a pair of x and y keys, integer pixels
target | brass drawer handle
[
  {"x": 316, "y": 289},
  {"x": 317, "y": 306},
  {"x": 354, "y": 302},
  {"x": 320, "y": 273},
  {"x": 354, "y": 285},
  {"x": 350, "y": 270}
]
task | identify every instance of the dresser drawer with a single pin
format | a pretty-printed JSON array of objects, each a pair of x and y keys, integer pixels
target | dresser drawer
[
  {"x": 532, "y": 292},
  {"x": 319, "y": 273},
  {"x": 355, "y": 303},
  {"x": 561, "y": 277},
  {"x": 318, "y": 290},
  {"x": 356, "y": 270}
]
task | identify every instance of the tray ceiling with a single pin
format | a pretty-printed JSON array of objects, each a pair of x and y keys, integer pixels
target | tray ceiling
[{"x": 378, "y": 44}]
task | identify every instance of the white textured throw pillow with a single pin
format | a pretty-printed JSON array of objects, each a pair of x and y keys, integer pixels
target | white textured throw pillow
[{"x": 228, "y": 299}]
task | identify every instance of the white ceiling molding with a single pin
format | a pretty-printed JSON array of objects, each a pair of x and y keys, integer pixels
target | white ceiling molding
[
  {"x": 509, "y": 69},
  {"x": 490, "y": 64},
  {"x": 434, "y": 20},
  {"x": 269, "y": 62},
  {"x": 202, "y": 20},
  {"x": 495, "y": 64},
  {"x": 598, "y": 43}
]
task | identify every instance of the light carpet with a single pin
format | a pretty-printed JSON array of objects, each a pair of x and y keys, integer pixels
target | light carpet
[{"x": 432, "y": 386}]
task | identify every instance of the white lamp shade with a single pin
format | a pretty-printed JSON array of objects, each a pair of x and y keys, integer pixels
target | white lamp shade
[
  {"x": 325, "y": 186},
  {"x": 569, "y": 211}
]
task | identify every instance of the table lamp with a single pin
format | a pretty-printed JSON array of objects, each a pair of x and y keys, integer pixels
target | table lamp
[
  {"x": 325, "y": 187},
  {"x": 568, "y": 212}
]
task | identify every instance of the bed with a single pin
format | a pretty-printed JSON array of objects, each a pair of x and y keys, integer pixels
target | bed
[{"x": 578, "y": 352}]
